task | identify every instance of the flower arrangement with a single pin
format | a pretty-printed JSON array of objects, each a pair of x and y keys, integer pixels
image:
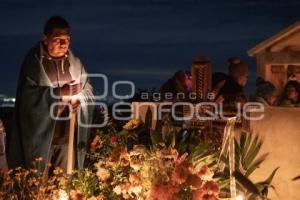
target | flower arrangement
[
  {"x": 154, "y": 174},
  {"x": 32, "y": 183},
  {"x": 160, "y": 172},
  {"x": 120, "y": 167}
]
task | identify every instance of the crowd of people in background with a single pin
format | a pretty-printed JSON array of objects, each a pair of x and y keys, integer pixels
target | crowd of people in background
[
  {"x": 226, "y": 88},
  {"x": 266, "y": 94},
  {"x": 229, "y": 88}
]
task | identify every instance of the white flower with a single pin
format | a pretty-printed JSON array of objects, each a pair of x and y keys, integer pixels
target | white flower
[
  {"x": 135, "y": 190},
  {"x": 103, "y": 174},
  {"x": 118, "y": 190},
  {"x": 62, "y": 195}
]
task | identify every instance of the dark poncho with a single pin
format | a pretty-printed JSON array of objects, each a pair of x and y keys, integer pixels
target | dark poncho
[{"x": 33, "y": 126}]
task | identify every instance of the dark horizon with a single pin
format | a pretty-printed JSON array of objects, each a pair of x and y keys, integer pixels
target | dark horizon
[{"x": 145, "y": 41}]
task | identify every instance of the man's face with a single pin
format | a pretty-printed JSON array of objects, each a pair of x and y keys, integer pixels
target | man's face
[
  {"x": 242, "y": 80},
  {"x": 291, "y": 93},
  {"x": 57, "y": 43}
]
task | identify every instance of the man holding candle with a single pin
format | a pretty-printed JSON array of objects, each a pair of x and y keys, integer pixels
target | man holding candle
[{"x": 50, "y": 76}]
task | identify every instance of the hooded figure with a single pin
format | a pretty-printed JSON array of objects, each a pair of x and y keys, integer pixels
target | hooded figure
[
  {"x": 39, "y": 99},
  {"x": 232, "y": 84}
]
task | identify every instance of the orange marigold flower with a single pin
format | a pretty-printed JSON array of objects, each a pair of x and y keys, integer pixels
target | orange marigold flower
[
  {"x": 99, "y": 197},
  {"x": 163, "y": 191},
  {"x": 180, "y": 173},
  {"x": 194, "y": 181},
  {"x": 96, "y": 144},
  {"x": 211, "y": 187},
  {"x": 182, "y": 158},
  {"x": 118, "y": 154},
  {"x": 197, "y": 194},
  {"x": 132, "y": 124},
  {"x": 58, "y": 170},
  {"x": 124, "y": 159},
  {"x": 136, "y": 165},
  {"x": 209, "y": 197},
  {"x": 76, "y": 195},
  {"x": 205, "y": 173},
  {"x": 135, "y": 179},
  {"x": 103, "y": 174}
]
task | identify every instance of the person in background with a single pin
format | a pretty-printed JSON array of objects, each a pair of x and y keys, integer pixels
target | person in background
[
  {"x": 231, "y": 86},
  {"x": 188, "y": 80},
  {"x": 265, "y": 92},
  {"x": 291, "y": 97},
  {"x": 49, "y": 77},
  {"x": 3, "y": 162},
  {"x": 180, "y": 82}
]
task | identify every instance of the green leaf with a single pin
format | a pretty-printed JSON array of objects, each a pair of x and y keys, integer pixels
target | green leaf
[
  {"x": 296, "y": 178},
  {"x": 270, "y": 178},
  {"x": 248, "y": 140},
  {"x": 155, "y": 138},
  {"x": 243, "y": 138},
  {"x": 252, "y": 152},
  {"x": 247, "y": 183},
  {"x": 237, "y": 151},
  {"x": 124, "y": 132},
  {"x": 256, "y": 164}
]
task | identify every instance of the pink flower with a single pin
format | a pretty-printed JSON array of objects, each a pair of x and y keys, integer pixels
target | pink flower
[{"x": 114, "y": 139}]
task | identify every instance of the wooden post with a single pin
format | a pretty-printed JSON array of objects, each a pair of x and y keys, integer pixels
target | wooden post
[{"x": 71, "y": 144}]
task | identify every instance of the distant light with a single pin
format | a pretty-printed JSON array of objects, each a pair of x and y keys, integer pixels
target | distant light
[
  {"x": 9, "y": 99},
  {"x": 239, "y": 197}
]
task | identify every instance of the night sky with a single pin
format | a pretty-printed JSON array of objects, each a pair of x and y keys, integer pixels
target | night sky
[{"x": 145, "y": 41}]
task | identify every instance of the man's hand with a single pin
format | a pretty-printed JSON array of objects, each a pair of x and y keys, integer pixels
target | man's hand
[
  {"x": 70, "y": 89},
  {"x": 75, "y": 103}
]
